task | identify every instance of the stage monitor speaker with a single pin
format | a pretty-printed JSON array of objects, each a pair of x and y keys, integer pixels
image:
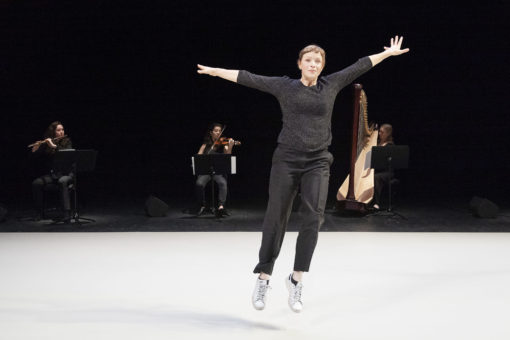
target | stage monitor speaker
[
  {"x": 482, "y": 207},
  {"x": 154, "y": 207}
]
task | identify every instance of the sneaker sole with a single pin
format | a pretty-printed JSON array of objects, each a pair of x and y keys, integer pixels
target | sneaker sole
[{"x": 258, "y": 308}]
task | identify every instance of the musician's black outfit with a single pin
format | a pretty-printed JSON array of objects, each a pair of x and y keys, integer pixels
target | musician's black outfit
[
  {"x": 61, "y": 178},
  {"x": 381, "y": 179},
  {"x": 220, "y": 180},
  {"x": 301, "y": 159}
]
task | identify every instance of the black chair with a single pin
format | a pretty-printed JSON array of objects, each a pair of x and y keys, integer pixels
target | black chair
[
  {"x": 52, "y": 201},
  {"x": 395, "y": 189}
]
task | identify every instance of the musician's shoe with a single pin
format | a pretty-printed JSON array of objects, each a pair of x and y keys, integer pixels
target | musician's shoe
[
  {"x": 68, "y": 215},
  {"x": 39, "y": 215},
  {"x": 295, "y": 289},
  {"x": 260, "y": 294},
  {"x": 65, "y": 219},
  {"x": 198, "y": 211},
  {"x": 373, "y": 209},
  {"x": 222, "y": 212}
]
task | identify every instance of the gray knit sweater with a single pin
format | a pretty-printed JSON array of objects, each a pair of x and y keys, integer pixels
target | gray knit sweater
[{"x": 306, "y": 110}]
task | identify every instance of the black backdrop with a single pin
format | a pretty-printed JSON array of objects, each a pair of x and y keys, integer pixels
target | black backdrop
[{"x": 121, "y": 76}]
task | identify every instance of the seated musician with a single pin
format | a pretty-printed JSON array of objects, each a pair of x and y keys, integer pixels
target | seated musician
[
  {"x": 54, "y": 140},
  {"x": 382, "y": 178},
  {"x": 211, "y": 145}
]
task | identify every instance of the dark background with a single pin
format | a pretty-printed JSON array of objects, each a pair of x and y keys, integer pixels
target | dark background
[{"x": 121, "y": 76}]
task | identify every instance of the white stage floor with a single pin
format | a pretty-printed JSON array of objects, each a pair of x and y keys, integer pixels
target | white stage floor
[{"x": 198, "y": 286}]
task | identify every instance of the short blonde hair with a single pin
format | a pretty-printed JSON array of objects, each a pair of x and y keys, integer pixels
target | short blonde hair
[{"x": 313, "y": 48}]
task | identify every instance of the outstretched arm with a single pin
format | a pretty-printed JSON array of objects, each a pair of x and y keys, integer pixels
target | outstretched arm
[
  {"x": 219, "y": 72},
  {"x": 393, "y": 50}
]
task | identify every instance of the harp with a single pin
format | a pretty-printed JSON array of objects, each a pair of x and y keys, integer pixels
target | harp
[{"x": 358, "y": 188}]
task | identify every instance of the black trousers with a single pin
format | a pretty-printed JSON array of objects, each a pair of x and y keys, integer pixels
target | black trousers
[
  {"x": 43, "y": 182},
  {"x": 202, "y": 181},
  {"x": 381, "y": 179},
  {"x": 291, "y": 170}
]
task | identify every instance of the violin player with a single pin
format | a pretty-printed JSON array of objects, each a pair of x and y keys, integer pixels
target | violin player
[{"x": 213, "y": 144}]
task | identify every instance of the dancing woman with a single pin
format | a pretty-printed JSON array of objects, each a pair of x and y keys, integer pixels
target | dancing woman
[{"x": 301, "y": 158}]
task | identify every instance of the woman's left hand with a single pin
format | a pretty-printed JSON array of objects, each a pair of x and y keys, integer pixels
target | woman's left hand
[{"x": 395, "y": 46}]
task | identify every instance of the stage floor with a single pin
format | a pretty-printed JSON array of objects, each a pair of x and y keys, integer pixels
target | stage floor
[
  {"x": 432, "y": 215},
  {"x": 182, "y": 285}
]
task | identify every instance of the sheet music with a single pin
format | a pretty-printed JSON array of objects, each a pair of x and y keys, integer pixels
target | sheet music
[
  {"x": 233, "y": 164},
  {"x": 368, "y": 160}
]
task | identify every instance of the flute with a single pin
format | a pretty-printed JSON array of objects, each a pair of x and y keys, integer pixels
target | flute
[{"x": 39, "y": 142}]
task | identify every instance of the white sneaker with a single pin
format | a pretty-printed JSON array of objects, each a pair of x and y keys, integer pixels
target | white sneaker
[
  {"x": 294, "y": 295},
  {"x": 260, "y": 294}
]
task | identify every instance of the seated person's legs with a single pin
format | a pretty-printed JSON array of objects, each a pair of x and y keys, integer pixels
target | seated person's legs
[
  {"x": 200, "y": 184},
  {"x": 222, "y": 194},
  {"x": 381, "y": 179},
  {"x": 63, "y": 185}
]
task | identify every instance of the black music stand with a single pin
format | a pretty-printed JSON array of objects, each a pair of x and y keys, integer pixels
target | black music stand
[
  {"x": 213, "y": 164},
  {"x": 389, "y": 158},
  {"x": 75, "y": 161}
]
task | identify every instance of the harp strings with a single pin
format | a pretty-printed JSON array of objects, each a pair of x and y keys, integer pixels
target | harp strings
[{"x": 364, "y": 131}]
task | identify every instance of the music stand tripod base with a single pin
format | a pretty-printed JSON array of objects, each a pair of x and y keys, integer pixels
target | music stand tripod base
[{"x": 388, "y": 213}]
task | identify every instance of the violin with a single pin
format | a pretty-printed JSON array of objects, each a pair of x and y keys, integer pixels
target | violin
[
  {"x": 39, "y": 142},
  {"x": 224, "y": 141}
]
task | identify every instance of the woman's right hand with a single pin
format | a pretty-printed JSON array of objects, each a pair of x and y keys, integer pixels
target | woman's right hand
[{"x": 50, "y": 143}]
